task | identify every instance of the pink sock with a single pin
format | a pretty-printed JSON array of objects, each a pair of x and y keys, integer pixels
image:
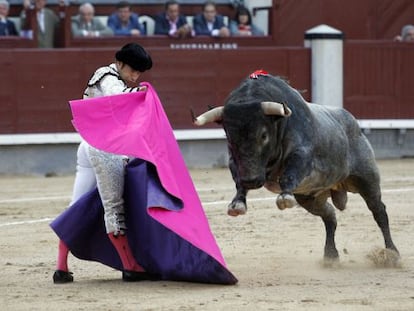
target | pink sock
[
  {"x": 121, "y": 245},
  {"x": 62, "y": 259}
]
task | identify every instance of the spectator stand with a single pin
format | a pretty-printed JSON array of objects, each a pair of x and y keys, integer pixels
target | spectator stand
[
  {"x": 147, "y": 11},
  {"x": 25, "y": 40}
]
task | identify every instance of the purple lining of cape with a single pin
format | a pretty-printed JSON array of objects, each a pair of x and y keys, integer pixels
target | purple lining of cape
[{"x": 158, "y": 249}]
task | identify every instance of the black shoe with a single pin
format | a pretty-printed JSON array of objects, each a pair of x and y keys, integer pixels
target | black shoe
[
  {"x": 62, "y": 277},
  {"x": 135, "y": 276}
]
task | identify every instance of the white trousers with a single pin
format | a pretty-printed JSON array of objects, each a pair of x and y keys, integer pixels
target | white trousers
[{"x": 106, "y": 171}]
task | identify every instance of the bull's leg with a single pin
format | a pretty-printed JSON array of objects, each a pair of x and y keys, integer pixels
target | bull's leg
[
  {"x": 371, "y": 193},
  {"x": 238, "y": 205},
  {"x": 320, "y": 207},
  {"x": 381, "y": 217},
  {"x": 298, "y": 166}
]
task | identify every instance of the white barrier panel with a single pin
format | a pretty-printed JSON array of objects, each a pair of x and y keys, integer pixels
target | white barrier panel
[
  {"x": 74, "y": 138},
  {"x": 180, "y": 135}
]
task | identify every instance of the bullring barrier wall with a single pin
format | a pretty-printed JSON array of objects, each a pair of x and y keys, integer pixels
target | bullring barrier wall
[{"x": 37, "y": 85}]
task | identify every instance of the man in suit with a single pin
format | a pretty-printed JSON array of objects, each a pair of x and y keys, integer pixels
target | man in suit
[
  {"x": 209, "y": 23},
  {"x": 124, "y": 22},
  {"x": 87, "y": 25},
  {"x": 47, "y": 22},
  {"x": 172, "y": 23},
  {"x": 7, "y": 27}
]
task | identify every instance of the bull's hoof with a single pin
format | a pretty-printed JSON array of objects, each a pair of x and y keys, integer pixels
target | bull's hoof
[
  {"x": 285, "y": 200},
  {"x": 385, "y": 258},
  {"x": 236, "y": 209},
  {"x": 331, "y": 258},
  {"x": 331, "y": 262}
]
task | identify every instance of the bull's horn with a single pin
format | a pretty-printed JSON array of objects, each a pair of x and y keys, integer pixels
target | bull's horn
[
  {"x": 274, "y": 108},
  {"x": 212, "y": 115}
]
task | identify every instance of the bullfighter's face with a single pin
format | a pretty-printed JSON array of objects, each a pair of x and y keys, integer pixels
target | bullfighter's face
[{"x": 127, "y": 73}]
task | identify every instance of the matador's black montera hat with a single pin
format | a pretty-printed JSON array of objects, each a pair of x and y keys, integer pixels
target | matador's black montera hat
[{"x": 135, "y": 56}]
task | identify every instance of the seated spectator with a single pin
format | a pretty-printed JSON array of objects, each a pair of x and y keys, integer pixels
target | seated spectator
[
  {"x": 87, "y": 25},
  {"x": 47, "y": 22},
  {"x": 124, "y": 22},
  {"x": 7, "y": 26},
  {"x": 407, "y": 34},
  {"x": 172, "y": 23},
  {"x": 209, "y": 23},
  {"x": 242, "y": 24}
]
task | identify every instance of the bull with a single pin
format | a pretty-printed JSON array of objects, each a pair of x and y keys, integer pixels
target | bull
[{"x": 306, "y": 153}]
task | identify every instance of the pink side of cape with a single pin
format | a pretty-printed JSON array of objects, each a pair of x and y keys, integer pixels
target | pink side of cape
[{"x": 135, "y": 124}]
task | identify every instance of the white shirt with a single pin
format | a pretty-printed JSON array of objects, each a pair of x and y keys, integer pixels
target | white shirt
[{"x": 41, "y": 20}]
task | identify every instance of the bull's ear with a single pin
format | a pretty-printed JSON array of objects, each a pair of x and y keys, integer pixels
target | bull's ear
[
  {"x": 275, "y": 108},
  {"x": 213, "y": 115}
]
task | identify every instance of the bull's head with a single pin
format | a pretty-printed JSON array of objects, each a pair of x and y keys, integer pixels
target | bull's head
[
  {"x": 216, "y": 114},
  {"x": 250, "y": 134}
]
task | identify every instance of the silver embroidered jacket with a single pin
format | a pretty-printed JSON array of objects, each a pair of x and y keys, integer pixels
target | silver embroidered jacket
[{"x": 107, "y": 81}]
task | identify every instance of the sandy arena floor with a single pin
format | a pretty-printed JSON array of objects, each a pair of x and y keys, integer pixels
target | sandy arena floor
[{"x": 276, "y": 255}]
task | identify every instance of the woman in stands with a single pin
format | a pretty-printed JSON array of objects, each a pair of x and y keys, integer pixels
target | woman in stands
[{"x": 242, "y": 24}]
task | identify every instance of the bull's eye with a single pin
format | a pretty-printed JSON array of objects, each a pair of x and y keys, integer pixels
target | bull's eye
[{"x": 264, "y": 137}]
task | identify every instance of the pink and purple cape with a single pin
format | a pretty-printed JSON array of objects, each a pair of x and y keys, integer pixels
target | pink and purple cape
[{"x": 168, "y": 230}]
